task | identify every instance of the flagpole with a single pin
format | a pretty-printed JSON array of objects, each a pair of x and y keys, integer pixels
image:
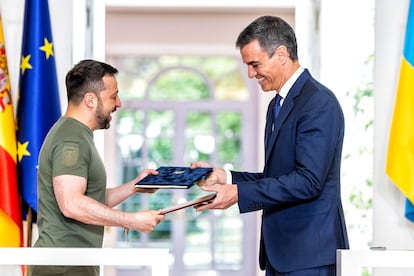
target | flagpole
[{"x": 29, "y": 227}]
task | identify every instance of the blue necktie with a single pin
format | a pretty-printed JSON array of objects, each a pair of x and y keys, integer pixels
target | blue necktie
[{"x": 277, "y": 107}]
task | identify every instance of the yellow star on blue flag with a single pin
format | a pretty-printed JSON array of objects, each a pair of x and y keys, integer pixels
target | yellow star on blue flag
[
  {"x": 47, "y": 48},
  {"x": 22, "y": 150},
  {"x": 25, "y": 64},
  {"x": 38, "y": 106}
]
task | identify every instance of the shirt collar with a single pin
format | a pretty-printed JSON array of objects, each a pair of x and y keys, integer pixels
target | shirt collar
[{"x": 288, "y": 85}]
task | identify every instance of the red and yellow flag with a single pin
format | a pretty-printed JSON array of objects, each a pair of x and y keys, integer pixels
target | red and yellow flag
[{"x": 10, "y": 212}]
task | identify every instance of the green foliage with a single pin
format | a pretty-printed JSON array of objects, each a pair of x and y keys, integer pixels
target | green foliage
[
  {"x": 179, "y": 84},
  {"x": 364, "y": 92},
  {"x": 198, "y": 123},
  {"x": 358, "y": 181}
]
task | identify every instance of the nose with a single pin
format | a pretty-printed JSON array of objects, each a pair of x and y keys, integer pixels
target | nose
[
  {"x": 118, "y": 102},
  {"x": 251, "y": 72}
]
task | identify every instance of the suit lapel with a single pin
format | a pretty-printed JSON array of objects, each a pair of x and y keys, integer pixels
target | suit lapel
[{"x": 288, "y": 105}]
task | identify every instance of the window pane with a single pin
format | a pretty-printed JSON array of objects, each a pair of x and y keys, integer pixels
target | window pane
[
  {"x": 200, "y": 142},
  {"x": 160, "y": 134},
  {"x": 179, "y": 84},
  {"x": 228, "y": 242},
  {"x": 225, "y": 74},
  {"x": 228, "y": 139},
  {"x": 197, "y": 251},
  {"x": 134, "y": 75},
  {"x": 198, "y": 239},
  {"x": 160, "y": 200},
  {"x": 130, "y": 142},
  {"x": 231, "y": 88}
]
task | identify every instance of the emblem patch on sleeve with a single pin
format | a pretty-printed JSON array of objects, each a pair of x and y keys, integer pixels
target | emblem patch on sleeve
[{"x": 70, "y": 155}]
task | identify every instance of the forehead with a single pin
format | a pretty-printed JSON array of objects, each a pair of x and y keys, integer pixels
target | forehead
[
  {"x": 252, "y": 52},
  {"x": 111, "y": 84}
]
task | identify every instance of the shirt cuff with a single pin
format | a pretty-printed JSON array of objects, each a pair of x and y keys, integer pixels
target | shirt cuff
[{"x": 229, "y": 178}]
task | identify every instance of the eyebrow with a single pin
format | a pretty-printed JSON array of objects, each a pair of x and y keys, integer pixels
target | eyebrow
[{"x": 252, "y": 63}]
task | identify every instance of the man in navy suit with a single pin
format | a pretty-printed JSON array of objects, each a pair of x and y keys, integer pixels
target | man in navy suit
[{"x": 299, "y": 189}]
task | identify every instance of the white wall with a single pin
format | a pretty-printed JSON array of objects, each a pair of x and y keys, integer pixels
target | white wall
[{"x": 346, "y": 42}]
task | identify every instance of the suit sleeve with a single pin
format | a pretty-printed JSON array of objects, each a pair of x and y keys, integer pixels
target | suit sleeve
[{"x": 304, "y": 160}]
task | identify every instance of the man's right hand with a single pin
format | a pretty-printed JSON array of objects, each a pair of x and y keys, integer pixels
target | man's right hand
[
  {"x": 146, "y": 220},
  {"x": 217, "y": 176}
]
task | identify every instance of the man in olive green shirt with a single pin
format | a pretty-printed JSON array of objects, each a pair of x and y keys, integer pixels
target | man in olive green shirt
[{"x": 74, "y": 203}]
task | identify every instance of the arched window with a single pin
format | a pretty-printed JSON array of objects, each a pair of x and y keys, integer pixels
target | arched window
[{"x": 175, "y": 110}]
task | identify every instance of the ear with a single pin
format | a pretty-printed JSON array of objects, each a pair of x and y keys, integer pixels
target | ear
[
  {"x": 90, "y": 99},
  {"x": 282, "y": 54}
]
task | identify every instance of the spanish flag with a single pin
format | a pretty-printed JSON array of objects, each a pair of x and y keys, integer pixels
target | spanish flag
[
  {"x": 400, "y": 159},
  {"x": 11, "y": 234}
]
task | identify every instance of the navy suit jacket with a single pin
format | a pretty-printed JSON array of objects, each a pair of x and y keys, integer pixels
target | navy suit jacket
[{"x": 299, "y": 189}]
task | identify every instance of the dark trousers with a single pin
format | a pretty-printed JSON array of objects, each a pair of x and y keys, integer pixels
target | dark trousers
[{"x": 329, "y": 270}]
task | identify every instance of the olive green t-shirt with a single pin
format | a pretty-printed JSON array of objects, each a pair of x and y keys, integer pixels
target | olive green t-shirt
[{"x": 68, "y": 149}]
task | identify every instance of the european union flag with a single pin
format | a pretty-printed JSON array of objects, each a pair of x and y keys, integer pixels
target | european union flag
[{"x": 38, "y": 103}]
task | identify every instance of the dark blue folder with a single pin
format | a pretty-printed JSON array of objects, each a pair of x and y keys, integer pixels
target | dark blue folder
[{"x": 174, "y": 178}]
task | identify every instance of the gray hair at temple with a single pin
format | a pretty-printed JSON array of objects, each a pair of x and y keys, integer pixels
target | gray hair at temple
[{"x": 271, "y": 32}]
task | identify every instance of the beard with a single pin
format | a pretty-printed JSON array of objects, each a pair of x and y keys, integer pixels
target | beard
[{"x": 102, "y": 120}]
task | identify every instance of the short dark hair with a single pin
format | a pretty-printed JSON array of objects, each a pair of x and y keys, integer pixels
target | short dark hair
[
  {"x": 271, "y": 32},
  {"x": 86, "y": 76}
]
